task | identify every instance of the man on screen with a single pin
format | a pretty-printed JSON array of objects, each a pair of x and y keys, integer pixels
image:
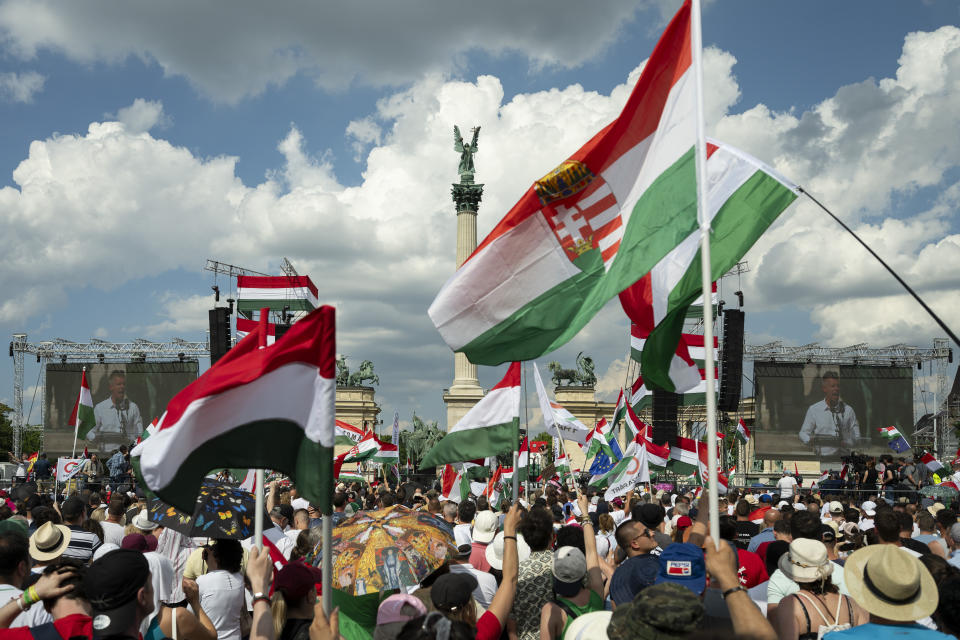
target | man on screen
[
  {"x": 830, "y": 426},
  {"x": 117, "y": 418}
]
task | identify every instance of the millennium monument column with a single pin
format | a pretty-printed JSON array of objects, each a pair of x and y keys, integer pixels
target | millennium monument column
[{"x": 465, "y": 390}]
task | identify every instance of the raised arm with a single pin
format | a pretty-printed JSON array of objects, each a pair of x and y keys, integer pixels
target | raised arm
[
  {"x": 503, "y": 599},
  {"x": 746, "y": 617},
  {"x": 594, "y": 573}
]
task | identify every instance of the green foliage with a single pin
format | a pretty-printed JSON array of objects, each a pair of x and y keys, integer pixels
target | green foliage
[{"x": 32, "y": 438}]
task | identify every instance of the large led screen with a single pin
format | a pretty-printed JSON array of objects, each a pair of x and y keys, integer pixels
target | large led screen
[
  {"x": 127, "y": 396},
  {"x": 826, "y": 412}
]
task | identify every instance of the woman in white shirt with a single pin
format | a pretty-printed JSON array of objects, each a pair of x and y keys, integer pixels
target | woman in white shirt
[{"x": 221, "y": 588}]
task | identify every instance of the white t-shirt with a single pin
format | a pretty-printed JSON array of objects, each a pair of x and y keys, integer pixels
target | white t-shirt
[
  {"x": 221, "y": 596},
  {"x": 32, "y": 617},
  {"x": 462, "y": 534},
  {"x": 486, "y": 583},
  {"x": 112, "y": 532},
  {"x": 786, "y": 485}
]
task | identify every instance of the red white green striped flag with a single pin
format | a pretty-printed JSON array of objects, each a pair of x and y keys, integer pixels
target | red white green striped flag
[
  {"x": 686, "y": 370},
  {"x": 702, "y": 466},
  {"x": 454, "y": 485},
  {"x": 889, "y": 432},
  {"x": 82, "y": 418},
  {"x": 489, "y": 428},
  {"x": 657, "y": 456},
  {"x": 598, "y": 440},
  {"x": 346, "y": 433},
  {"x": 364, "y": 449},
  {"x": 614, "y": 209},
  {"x": 932, "y": 463},
  {"x": 276, "y": 292},
  {"x": 684, "y": 458},
  {"x": 620, "y": 410},
  {"x": 634, "y": 425},
  {"x": 743, "y": 433},
  {"x": 386, "y": 453},
  {"x": 266, "y": 408}
]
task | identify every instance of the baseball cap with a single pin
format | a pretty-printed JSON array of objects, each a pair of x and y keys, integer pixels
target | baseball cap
[
  {"x": 394, "y": 612},
  {"x": 452, "y": 591},
  {"x": 464, "y": 550},
  {"x": 139, "y": 542},
  {"x": 828, "y": 533},
  {"x": 569, "y": 567},
  {"x": 111, "y": 584},
  {"x": 766, "y": 498},
  {"x": 752, "y": 498},
  {"x": 634, "y": 575},
  {"x": 682, "y": 563},
  {"x": 869, "y": 507},
  {"x": 296, "y": 580},
  {"x": 485, "y": 525},
  {"x": 836, "y": 507}
]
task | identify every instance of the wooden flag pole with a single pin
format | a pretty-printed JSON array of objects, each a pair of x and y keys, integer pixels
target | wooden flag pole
[{"x": 713, "y": 493}]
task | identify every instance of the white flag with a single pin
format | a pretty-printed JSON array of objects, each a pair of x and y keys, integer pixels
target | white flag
[{"x": 557, "y": 420}]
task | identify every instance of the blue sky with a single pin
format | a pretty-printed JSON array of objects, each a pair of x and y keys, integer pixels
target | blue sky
[{"x": 138, "y": 142}]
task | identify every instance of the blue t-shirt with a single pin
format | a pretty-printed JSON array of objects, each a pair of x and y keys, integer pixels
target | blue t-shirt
[
  {"x": 633, "y": 576},
  {"x": 874, "y": 631}
]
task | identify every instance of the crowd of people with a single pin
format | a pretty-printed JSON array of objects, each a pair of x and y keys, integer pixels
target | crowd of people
[{"x": 560, "y": 563}]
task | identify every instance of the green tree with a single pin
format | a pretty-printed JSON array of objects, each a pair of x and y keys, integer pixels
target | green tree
[{"x": 32, "y": 437}]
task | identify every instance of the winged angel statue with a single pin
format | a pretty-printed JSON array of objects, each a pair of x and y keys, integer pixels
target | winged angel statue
[{"x": 466, "y": 150}]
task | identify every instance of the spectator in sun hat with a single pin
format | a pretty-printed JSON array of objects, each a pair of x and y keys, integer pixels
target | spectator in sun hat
[
  {"x": 485, "y": 525},
  {"x": 895, "y": 589},
  {"x": 806, "y": 563}
]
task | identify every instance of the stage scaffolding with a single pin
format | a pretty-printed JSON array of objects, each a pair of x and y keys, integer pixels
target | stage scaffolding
[{"x": 61, "y": 350}]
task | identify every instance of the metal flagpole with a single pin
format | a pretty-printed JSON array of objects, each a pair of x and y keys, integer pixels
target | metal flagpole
[
  {"x": 700, "y": 152},
  {"x": 516, "y": 438},
  {"x": 258, "y": 489},
  {"x": 76, "y": 425}
]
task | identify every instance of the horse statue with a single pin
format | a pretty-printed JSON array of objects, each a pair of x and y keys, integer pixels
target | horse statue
[
  {"x": 585, "y": 375},
  {"x": 363, "y": 374},
  {"x": 560, "y": 374}
]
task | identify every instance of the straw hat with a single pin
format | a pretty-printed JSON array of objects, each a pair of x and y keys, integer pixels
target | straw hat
[
  {"x": 49, "y": 542},
  {"x": 890, "y": 583},
  {"x": 806, "y": 561}
]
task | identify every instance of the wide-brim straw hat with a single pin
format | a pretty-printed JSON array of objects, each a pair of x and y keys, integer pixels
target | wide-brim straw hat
[
  {"x": 49, "y": 542},
  {"x": 889, "y": 582},
  {"x": 806, "y": 561}
]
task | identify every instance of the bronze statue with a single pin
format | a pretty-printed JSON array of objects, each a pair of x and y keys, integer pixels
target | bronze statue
[
  {"x": 583, "y": 375},
  {"x": 466, "y": 150},
  {"x": 364, "y": 373}
]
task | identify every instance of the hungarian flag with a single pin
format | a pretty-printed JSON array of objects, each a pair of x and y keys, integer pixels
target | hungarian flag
[
  {"x": 742, "y": 433},
  {"x": 476, "y": 469},
  {"x": 489, "y": 428},
  {"x": 558, "y": 421},
  {"x": 454, "y": 486},
  {"x": 620, "y": 410},
  {"x": 270, "y": 407},
  {"x": 703, "y": 466},
  {"x": 523, "y": 462},
  {"x": 889, "y": 432},
  {"x": 599, "y": 439},
  {"x": 686, "y": 366},
  {"x": 635, "y": 426},
  {"x": 346, "y": 433},
  {"x": 350, "y": 476},
  {"x": 81, "y": 418},
  {"x": 386, "y": 453},
  {"x": 364, "y": 449},
  {"x": 932, "y": 463},
  {"x": 614, "y": 209},
  {"x": 297, "y": 293},
  {"x": 245, "y": 326},
  {"x": 657, "y": 456},
  {"x": 684, "y": 458}
]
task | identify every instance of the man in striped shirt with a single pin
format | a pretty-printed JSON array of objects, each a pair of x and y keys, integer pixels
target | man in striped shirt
[{"x": 82, "y": 542}]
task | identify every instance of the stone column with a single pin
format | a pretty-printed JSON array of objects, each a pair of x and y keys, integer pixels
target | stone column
[{"x": 465, "y": 390}]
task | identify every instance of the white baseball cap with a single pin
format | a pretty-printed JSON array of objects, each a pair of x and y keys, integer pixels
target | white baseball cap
[{"x": 869, "y": 507}]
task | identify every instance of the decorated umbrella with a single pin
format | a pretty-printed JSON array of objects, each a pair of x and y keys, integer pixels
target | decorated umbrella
[
  {"x": 942, "y": 491},
  {"x": 222, "y": 511},
  {"x": 375, "y": 551}
]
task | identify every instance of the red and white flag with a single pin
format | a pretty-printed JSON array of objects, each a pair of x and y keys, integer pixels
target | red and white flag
[{"x": 932, "y": 463}]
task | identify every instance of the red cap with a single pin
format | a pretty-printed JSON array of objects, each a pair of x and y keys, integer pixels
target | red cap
[{"x": 296, "y": 580}]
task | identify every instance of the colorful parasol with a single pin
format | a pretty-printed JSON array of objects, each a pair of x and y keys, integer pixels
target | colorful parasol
[
  {"x": 376, "y": 551},
  {"x": 222, "y": 511}
]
